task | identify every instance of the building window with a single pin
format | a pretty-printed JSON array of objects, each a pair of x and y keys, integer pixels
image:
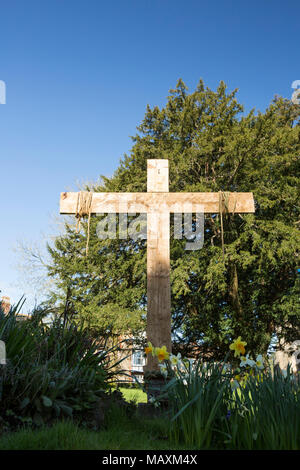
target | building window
[{"x": 138, "y": 358}]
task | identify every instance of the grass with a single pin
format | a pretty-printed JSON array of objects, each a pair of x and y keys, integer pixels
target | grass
[
  {"x": 134, "y": 394},
  {"x": 122, "y": 433},
  {"x": 129, "y": 431}
]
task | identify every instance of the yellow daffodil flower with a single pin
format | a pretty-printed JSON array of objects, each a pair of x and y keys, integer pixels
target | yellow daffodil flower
[
  {"x": 149, "y": 349},
  {"x": 162, "y": 353},
  {"x": 259, "y": 362},
  {"x": 175, "y": 359},
  {"x": 163, "y": 370},
  {"x": 246, "y": 361},
  {"x": 238, "y": 346}
]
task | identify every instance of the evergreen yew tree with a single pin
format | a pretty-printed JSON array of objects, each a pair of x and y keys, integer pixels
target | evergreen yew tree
[{"x": 250, "y": 290}]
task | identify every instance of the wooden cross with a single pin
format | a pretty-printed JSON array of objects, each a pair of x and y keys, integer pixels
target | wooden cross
[{"x": 158, "y": 203}]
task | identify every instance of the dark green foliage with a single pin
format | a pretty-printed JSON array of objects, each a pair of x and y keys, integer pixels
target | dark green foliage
[
  {"x": 266, "y": 414},
  {"x": 207, "y": 413},
  {"x": 123, "y": 433},
  {"x": 51, "y": 371},
  {"x": 105, "y": 303},
  {"x": 211, "y": 146}
]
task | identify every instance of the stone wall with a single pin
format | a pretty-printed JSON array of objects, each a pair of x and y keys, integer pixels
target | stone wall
[
  {"x": 5, "y": 304},
  {"x": 288, "y": 353}
]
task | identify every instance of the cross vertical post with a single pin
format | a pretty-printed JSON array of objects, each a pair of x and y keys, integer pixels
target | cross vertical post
[{"x": 158, "y": 263}]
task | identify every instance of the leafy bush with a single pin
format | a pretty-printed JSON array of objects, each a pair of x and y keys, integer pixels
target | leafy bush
[{"x": 52, "y": 370}]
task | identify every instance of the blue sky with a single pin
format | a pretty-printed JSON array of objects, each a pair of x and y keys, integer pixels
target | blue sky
[{"x": 79, "y": 75}]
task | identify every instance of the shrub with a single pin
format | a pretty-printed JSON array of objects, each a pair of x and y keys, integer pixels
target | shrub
[{"x": 52, "y": 371}]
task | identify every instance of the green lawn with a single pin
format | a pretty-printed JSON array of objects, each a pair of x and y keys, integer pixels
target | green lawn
[
  {"x": 134, "y": 394},
  {"x": 122, "y": 431},
  {"x": 121, "y": 434}
]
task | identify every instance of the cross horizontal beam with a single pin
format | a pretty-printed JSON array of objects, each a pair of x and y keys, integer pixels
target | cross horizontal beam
[{"x": 158, "y": 202}]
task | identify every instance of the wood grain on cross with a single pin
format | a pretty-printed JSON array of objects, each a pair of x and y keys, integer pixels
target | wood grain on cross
[{"x": 158, "y": 203}]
